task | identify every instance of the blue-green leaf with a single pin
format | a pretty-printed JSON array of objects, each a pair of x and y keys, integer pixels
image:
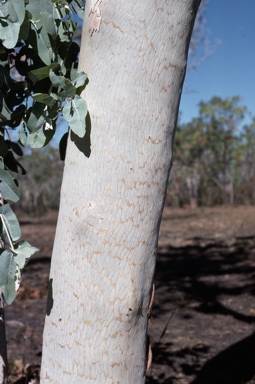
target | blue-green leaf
[
  {"x": 75, "y": 112},
  {"x": 37, "y": 139},
  {"x": 78, "y": 78},
  {"x": 78, "y": 8},
  {"x": 45, "y": 98},
  {"x": 43, "y": 72},
  {"x": 36, "y": 118},
  {"x": 41, "y": 43},
  {"x": 11, "y": 222},
  {"x": 42, "y": 136},
  {"x": 67, "y": 88},
  {"x": 8, "y": 188},
  {"x": 8, "y": 270},
  {"x": 66, "y": 30},
  {"x": 23, "y": 252},
  {"x": 12, "y": 13},
  {"x": 23, "y": 134},
  {"x": 42, "y": 11}
]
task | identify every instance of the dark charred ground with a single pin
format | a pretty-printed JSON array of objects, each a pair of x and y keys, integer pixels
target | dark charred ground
[{"x": 202, "y": 327}]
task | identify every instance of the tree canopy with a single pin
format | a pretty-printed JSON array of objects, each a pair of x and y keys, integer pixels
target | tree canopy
[{"x": 214, "y": 155}]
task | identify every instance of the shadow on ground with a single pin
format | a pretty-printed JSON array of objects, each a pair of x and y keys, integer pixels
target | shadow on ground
[
  {"x": 203, "y": 319},
  {"x": 203, "y": 322}
]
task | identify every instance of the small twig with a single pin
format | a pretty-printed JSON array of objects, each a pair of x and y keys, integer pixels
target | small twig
[{"x": 166, "y": 326}]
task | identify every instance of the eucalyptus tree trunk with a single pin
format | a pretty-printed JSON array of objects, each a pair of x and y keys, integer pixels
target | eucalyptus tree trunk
[{"x": 113, "y": 191}]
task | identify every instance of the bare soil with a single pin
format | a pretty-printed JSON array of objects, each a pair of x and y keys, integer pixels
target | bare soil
[{"x": 202, "y": 328}]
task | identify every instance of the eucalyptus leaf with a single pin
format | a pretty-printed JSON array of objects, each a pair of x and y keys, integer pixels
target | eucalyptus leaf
[
  {"x": 5, "y": 113},
  {"x": 78, "y": 78},
  {"x": 12, "y": 13},
  {"x": 42, "y": 11},
  {"x": 37, "y": 139},
  {"x": 78, "y": 8},
  {"x": 42, "y": 136},
  {"x": 43, "y": 72},
  {"x": 25, "y": 26},
  {"x": 61, "y": 81},
  {"x": 36, "y": 118},
  {"x": 57, "y": 81},
  {"x": 8, "y": 188},
  {"x": 74, "y": 113},
  {"x": 66, "y": 30},
  {"x": 23, "y": 134},
  {"x": 40, "y": 42},
  {"x": 11, "y": 222},
  {"x": 67, "y": 88},
  {"x": 23, "y": 251},
  {"x": 8, "y": 270},
  {"x": 44, "y": 98}
]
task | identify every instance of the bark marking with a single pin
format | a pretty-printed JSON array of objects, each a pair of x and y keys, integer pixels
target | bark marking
[{"x": 95, "y": 16}]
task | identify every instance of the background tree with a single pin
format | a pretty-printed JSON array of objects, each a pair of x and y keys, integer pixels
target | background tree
[
  {"x": 221, "y": 121},
  {"x": 244, "y": 164},
  {"x": 40, "y": 186},
  {"x": 207, "y": 151},
  {"x": 187, "y": 170}
]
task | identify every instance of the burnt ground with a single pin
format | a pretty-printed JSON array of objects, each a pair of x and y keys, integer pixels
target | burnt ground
[{"x": 202, "y": 327}]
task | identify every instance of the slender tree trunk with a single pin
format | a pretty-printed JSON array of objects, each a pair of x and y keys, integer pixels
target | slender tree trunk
[
  {"x": 3, "y": 350},
  {"x": 192, "y": 183},
  {"x": 113, "y": 191}
]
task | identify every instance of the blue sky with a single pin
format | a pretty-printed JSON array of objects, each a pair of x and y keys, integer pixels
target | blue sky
[{"x": 230, "y": 70}]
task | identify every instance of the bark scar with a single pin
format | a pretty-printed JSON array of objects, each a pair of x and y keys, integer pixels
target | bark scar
[{"x": 95, "y": 16}]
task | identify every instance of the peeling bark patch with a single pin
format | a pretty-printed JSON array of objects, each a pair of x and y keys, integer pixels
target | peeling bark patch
[{"x": 95, "y": 16}]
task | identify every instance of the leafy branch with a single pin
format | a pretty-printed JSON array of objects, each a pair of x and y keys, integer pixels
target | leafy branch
[
  {"x": 13, "y": 259},
  {"x": 38, "y": 83}
]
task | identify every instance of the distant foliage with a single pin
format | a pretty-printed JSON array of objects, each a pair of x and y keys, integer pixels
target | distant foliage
[
  {"x": 40, "y": 187},
  {"x": 38, "y": 82},
  {"x": 214, "y": 156}
]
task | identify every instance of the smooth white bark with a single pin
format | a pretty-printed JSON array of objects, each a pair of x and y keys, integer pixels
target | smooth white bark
[{"x": 111, "y": 201}]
